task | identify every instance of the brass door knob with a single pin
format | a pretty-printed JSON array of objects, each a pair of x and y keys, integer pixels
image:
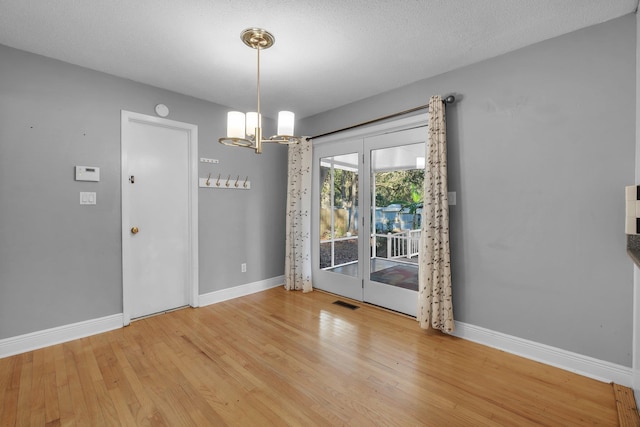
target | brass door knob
[{"x": 134, "y": 230}]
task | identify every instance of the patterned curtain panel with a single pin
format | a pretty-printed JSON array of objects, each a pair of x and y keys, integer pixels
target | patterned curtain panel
[
  {"x": 297, "y": 267},
  {"x": 435, "y": 308}
]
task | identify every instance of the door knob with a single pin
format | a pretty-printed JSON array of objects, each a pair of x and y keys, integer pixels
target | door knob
[{"x": 134, "y": 230}]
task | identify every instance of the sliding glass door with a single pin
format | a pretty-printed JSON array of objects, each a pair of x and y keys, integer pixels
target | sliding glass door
[{"x": 366, "y": 217}]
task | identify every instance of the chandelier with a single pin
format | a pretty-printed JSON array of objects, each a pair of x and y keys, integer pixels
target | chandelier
[{"x": 245, "y": 130}]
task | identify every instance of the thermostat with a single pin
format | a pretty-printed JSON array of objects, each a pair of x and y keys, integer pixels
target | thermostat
[{"x": 87, "y": 173}]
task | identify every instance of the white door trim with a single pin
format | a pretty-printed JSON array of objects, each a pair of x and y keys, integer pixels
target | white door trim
[{"x": 192, "y": 130}]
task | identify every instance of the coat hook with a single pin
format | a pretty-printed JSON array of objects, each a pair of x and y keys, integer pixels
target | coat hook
[
  {"x": 218, "y": 181},
  {"x": 208, "y": 180},
  {"x": 245, "y": 182},
  {"x": 228, "y": 178},
  {"x": 237, "y": 179}
]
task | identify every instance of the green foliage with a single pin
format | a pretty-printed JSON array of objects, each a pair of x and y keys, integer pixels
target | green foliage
[
  {"x": 345, "y": 201},
  {"x": 402, "y": 187}
]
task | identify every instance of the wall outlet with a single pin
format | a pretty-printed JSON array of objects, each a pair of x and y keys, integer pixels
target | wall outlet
[{"x": 243, "y": 267}]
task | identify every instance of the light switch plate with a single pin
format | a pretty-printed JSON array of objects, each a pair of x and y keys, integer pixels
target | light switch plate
[{"x": 87, "y": 198}]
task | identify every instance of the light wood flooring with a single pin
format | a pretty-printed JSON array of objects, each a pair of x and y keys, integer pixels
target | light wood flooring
[{"x": 287, "y": 358}]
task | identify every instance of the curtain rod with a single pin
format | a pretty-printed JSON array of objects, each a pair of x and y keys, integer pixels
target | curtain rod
[{"x": 448, "y": 100}]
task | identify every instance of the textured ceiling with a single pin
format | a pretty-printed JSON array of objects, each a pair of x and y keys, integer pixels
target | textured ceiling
[{"x": 327, "y": 52}]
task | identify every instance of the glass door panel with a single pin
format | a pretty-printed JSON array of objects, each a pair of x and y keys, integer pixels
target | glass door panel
[
  {"x": 336, "y": 226},
  {"x": 396, "y": 181},
  {"x": 339, "y": 214}
]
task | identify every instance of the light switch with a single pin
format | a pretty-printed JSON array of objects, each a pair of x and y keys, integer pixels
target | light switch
[{"x": 87, "y": 198}]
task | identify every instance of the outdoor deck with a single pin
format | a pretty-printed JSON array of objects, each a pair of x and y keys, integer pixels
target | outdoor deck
[{"x": 392, "y": 272}]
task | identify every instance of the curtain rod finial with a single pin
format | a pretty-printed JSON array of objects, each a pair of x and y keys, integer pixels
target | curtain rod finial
[{"x": 449, "y": 99}]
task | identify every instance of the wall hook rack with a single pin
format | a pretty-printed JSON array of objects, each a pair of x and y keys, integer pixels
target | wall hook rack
[{"x": 229, "y": 183}]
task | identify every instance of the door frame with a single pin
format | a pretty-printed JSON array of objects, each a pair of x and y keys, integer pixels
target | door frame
[{"x": 192, "y": 269}]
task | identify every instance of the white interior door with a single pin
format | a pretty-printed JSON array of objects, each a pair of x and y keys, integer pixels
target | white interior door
[{"x": 159, "y": 204}]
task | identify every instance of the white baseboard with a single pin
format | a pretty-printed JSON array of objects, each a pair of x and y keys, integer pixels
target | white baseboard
[
  {"x": 36, "y": 340},
  {"x": 240, "y": 291},
  {"x": 567, "y": 360},
  {"x": 573, "y": 362},
  {"x": 60, "y": 334}
]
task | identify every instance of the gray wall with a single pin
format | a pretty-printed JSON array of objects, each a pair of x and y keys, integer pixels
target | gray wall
[
  {"x": 541, "y": 145},
  {"x": 60, "y": 262}
]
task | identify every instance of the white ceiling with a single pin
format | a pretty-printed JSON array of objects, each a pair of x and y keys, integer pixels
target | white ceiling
[{"x": 327, "y": 53}]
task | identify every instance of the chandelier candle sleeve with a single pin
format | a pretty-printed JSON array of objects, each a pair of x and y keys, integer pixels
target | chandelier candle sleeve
[
  {"x": 285, "y": 123},
  {"x": 253, "y": 123},
  {"x": 235, "y": 124}
]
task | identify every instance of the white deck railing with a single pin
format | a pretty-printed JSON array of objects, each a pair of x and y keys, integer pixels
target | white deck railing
[{"x": 404, "y": 244}]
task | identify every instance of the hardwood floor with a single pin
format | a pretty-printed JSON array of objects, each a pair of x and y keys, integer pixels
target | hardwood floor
[{"x": 287, "y": 358}]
